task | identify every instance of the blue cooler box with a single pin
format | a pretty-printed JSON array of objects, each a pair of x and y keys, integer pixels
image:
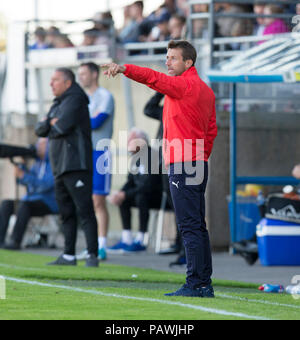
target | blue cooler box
[{"x": 278, "y": 243}]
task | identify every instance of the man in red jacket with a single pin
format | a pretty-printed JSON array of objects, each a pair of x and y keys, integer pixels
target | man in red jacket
[{"x": 189, "y": 120}]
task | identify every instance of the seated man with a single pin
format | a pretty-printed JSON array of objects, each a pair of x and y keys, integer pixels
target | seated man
[
  {"x": 39, "y": 201},
  {"x": 142, "y": 190}
]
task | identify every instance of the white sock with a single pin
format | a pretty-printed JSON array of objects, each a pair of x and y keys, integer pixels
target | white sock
[
  {"x": 127, "y": 237},
  {"x": 69, "y": 257},
  {"x": 102, "y": 242},
  {"x": 140, "y": 237}
]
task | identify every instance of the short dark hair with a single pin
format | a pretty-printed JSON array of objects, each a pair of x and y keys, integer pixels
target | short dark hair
[
  {"x": 139, "y": 4},
  {"x": 68, "y": 73},
  {"x": 180, "y": 18},
  {"x": 188, "y": 50},
  {"x": 40, "y": 32},
  {"x": 92, "y": 67}
]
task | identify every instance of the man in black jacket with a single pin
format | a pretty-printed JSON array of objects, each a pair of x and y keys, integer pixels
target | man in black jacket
[
  {"x": 68, "y": 128},
  {"x": 142, "y": 190}
]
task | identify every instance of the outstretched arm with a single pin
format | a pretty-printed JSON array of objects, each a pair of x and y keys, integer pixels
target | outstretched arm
[{"x": 175, "y": 87}]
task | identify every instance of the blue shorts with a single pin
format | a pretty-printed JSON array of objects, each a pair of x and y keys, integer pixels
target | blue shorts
[{"x": 101, "y": 173}]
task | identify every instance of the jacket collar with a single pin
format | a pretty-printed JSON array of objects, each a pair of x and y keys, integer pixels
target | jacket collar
[{"x": 191, "y": 71}]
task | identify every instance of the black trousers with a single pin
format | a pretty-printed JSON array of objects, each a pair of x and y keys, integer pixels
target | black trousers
[
  {"x": 189, "y": 205},
  {"x": 144, "y": 202},
  {"x": 74, "y": 198},
  {"x": 25, "y": 211}
]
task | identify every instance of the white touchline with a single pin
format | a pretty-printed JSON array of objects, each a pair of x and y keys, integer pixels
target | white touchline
[
  {"x": 165, "y": 302},
  {"x": 225, "y": 296},
  {"x": 264, "y": 302},
  {"x": 21, "y": 268}
]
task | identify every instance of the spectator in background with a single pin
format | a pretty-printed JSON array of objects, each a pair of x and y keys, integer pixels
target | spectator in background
[
  {"x": 160, "y": 31},
  {"x": 142, "y": 190},
  {"x": 259, "y": 9},
  {"x": 39, "y": 201},
  {"x": 103, "y": 22},
  {"x": 163, "y": 26},
  {"x": 62, "y": 41},
  {"x": 231, "y": 26},
  {"x": 128, "y": 22},
  {"x": 177, "y": 27},
  {"x": 40, "y": 39},
  {"x": 274, "y": 25},
  {"x": 90, "y": 37},
  {"x": 126, "y": 13},
  {"x": 51, "y": 33},
  {"x": 171, "y": 7},
  {"x": 133, "y": 30}
]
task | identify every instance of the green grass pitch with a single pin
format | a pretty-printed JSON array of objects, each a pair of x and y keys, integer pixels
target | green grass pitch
[{"x": 37, "y": 292}]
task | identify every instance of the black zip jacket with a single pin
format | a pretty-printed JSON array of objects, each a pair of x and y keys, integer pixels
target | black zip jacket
[
  {"x": 154, "y": 110},
  {"x": 70, "y": 145},
  {"x": 143, "y": 182}
]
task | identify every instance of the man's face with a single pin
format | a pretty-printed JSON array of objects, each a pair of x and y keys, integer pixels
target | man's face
[
  {"x": 175, "y": 63},
  {"x": 86, "y": 77},
  {"x": 135, "y": 11},
  {"x": 164, "y": 28},
  {"x": 175, "y": 28},
  {"x": 58, "y": 84},
  {"x": 259, "y": 9}
]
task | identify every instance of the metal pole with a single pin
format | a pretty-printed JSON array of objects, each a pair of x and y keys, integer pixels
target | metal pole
[
  {"x": 36, "y": 10},
  {"x": 211, "y": 25},
  {"x": 128, "y": 102},
  {"x": 233, "y": 163}
]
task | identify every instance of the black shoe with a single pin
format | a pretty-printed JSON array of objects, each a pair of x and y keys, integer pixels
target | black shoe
[
  {"x": 185, "y": 290},
  {"x": 207, "y": 292},
  {"x": 12, "y": 246},
  {"x": 61, "y": 261},
  {"x": 92, "y": 262},
  {"x": 246, "y": 247}
]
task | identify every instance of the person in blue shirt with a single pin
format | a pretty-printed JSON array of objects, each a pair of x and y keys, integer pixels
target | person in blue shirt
[
  {"x": 40, "y": 40},
  {"x": 38, "y": 202},
  {"x": 102, "y": 110}
]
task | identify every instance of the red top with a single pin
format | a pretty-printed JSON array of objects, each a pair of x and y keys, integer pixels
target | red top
[{"x": 189, "y": 117}]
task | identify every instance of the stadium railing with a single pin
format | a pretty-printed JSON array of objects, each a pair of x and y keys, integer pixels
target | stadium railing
[{"x": 212, "y": 49}]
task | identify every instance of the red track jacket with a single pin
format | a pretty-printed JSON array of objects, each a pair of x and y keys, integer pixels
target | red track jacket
[{"x": 189, "y": 116}]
